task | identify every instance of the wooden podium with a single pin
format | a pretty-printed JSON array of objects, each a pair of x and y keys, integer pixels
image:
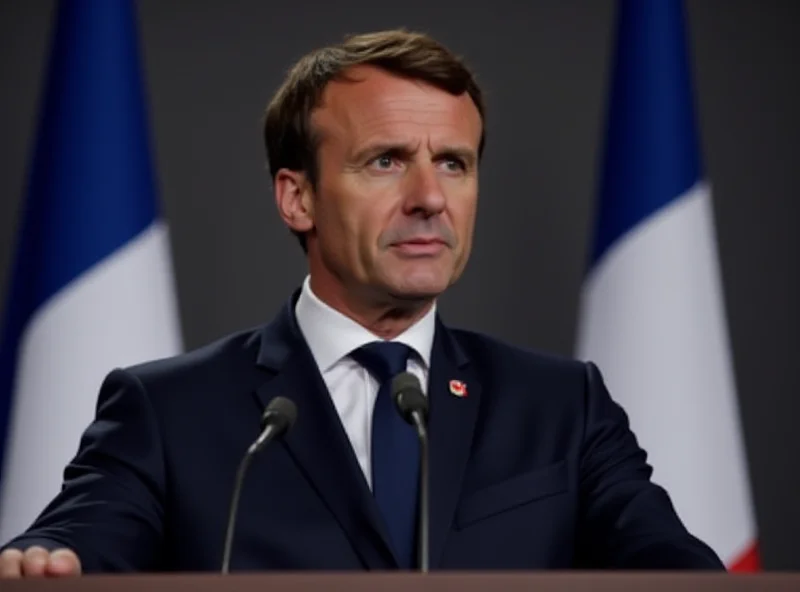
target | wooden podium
[{"x": 435, "y": 582}]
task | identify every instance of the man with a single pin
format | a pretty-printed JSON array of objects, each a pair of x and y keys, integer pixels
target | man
[{"x": 374, "y": 146}]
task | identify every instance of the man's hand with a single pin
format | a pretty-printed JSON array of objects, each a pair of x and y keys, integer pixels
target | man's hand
[{"x": 38, "y": 562}]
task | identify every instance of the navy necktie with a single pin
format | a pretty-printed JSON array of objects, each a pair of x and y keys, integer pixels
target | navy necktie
[{"x": 395, "y": 450}]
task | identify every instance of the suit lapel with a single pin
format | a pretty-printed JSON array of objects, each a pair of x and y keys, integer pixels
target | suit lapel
[
  {"x": 451, "y": 425},
  {"x": 318, "y": 442}
]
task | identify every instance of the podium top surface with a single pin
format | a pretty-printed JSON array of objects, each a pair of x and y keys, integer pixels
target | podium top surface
[{"x": 395, "y": 582}]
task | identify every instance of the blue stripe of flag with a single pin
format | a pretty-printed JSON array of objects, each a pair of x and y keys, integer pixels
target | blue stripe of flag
[
  {"x": 651, "y": 153},
  {"x": 91, "y": 187}
]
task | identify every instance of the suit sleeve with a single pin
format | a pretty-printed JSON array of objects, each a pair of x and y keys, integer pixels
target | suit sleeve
[
  {"x": 110, "y": 508},
  {"x": 628, "y": 522}
]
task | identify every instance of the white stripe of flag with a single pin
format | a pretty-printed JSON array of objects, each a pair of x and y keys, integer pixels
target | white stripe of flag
[
  {"x": 652, "y": 312},
  {"x": 92, "y": 286}
]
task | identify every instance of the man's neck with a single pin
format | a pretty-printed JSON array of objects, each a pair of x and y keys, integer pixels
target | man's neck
[{"x": 386, "y": 320}]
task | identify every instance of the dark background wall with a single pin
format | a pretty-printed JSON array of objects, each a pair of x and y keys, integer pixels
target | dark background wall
[{"x": 212, "y": 66}]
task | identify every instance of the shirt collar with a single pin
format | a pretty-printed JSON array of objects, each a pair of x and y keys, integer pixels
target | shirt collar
[{"x": 331, "y": 335}]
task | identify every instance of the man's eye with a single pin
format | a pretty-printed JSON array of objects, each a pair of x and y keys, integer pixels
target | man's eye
[
  {"x": 384, "y": 161},
  {"x": 454, "y": 164}
]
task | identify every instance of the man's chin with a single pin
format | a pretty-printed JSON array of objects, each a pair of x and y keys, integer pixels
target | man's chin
[
  {"x": 416, "y": 284},
  {"x": 420, "y": 292},
  {"x": 412, "y": 298}
]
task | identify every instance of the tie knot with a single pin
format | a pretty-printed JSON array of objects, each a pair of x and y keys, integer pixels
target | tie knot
[{"x": 383, "y": 359}]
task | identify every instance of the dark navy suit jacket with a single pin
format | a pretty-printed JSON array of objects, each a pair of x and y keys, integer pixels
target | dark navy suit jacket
[{"x": 535, "y": 468}]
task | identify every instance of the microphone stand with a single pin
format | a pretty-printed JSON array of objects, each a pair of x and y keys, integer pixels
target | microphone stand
[
  {"x": 234, "y": 507},
  {"x": 278, "y": 417},
  {"x": 423, "y": 553}
]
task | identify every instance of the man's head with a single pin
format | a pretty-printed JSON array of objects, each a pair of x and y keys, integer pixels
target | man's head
[{"x": 373, "y": 145}]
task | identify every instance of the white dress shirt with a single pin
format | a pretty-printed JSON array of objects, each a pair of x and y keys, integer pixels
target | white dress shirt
[{"x": 331, "y": 337}]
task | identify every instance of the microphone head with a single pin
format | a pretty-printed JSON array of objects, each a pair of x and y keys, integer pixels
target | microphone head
[
  {"x": 408, "y": 397},
  {"x": 281, "y": 412}
]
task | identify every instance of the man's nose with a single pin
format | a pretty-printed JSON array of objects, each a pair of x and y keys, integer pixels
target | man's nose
[{"x": 423, "y": 192}]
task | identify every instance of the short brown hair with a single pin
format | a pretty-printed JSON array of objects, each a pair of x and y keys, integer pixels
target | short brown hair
[{"x": 288, "y": 137}]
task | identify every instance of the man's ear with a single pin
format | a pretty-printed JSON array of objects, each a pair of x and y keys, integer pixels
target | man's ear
[{"x": 293, "y": 196}]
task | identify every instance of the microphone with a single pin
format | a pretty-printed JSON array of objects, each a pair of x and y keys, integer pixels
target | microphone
[
  {"x": 278, "y": 417},
  {"x": 413, "y": 407}
]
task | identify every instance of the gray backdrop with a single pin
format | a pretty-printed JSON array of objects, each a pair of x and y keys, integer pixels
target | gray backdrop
[{"x": 212, "y": 66}]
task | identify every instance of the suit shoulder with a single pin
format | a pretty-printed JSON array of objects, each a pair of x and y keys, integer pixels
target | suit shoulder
[
  {"x": 518, "y": 375},
  {"x": 498, "y": 353},
  {"x": 215, "y": 359}
]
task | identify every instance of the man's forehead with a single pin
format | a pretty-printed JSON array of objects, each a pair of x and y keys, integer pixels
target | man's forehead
[{"x": 370, "y": 100}]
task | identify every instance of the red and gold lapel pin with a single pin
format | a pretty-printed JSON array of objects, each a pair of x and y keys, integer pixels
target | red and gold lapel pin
[{"x": 458, "y": 388}]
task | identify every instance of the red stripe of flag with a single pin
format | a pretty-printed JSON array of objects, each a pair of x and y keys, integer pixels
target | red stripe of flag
[{"x": 747, "y": 561}]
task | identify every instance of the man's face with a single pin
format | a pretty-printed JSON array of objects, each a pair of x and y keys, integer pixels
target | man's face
[{"x": 394, "y": 209}]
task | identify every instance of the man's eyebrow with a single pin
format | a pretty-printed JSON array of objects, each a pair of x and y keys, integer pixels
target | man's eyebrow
[
  {"x": 377, "y": 148},
  {"x": 465, "y": 153}
]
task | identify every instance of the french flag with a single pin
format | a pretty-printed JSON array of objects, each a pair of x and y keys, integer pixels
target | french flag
[
  {"x": 652, "y": 311},
  {"x": 92, "y": 283}
]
